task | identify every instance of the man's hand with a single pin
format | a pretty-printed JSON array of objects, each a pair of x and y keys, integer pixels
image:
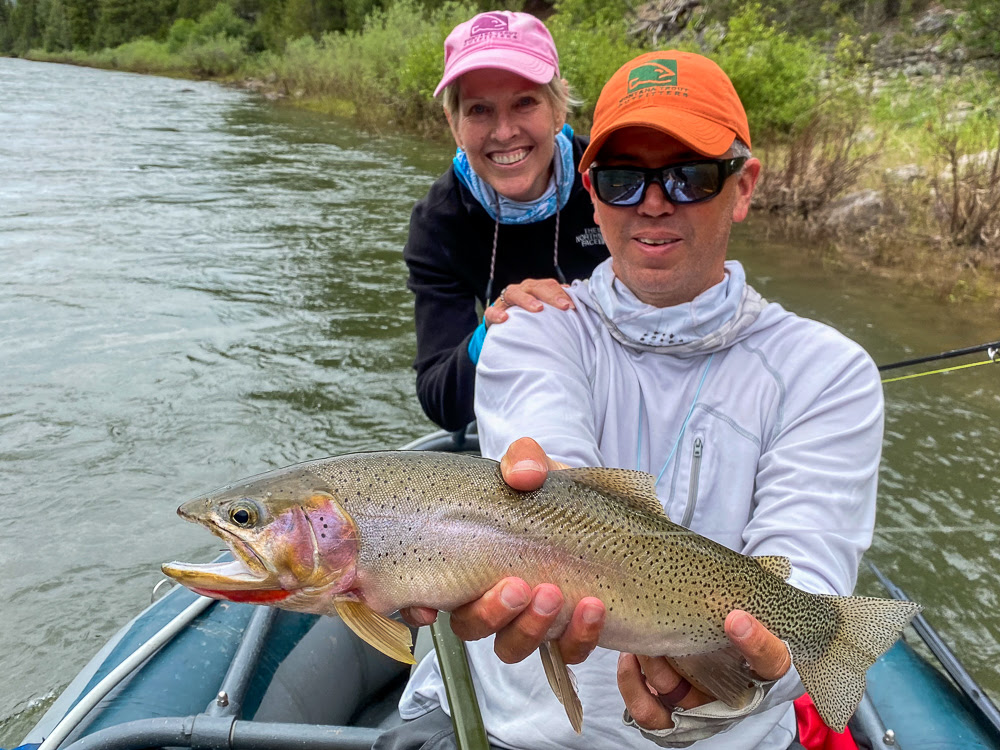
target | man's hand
[
  {"x": 529, "y": 294},
  {"x": 519, "y": 615},
  {"x": 646, "y": 683}
]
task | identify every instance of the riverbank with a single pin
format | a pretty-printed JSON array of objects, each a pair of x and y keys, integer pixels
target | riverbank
[{"x": 876, "y": 159}]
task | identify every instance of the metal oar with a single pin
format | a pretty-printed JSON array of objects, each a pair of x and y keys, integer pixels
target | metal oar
[{"x": 948, "y": 660}]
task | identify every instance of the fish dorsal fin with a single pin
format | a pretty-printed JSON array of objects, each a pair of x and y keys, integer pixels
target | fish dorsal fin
[
  {"x": 723, "y": 674},
  {"x": 776, "y": 565},
  {"x": 390, "y": 637},
  {"x": 563, "y": 683},
  {"x": 637, "y": 489}
]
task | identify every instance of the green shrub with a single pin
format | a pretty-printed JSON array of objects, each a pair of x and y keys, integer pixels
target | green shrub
[
  {"x": 219, "y": 56},
  {"x": 180, "y": 34},
  {"x": 776, "y": 76},
  {"x": 979, "y": 26},
  {"x": 588, "y": 56},
  {"x": 220, "y": 21},
  {"x": 141, "y": 56}
]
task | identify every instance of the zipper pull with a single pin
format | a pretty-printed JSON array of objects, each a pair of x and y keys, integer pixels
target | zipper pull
[{"x": 697, "y": 447}]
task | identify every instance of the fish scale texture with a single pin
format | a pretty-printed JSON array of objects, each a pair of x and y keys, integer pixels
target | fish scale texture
[{"x": 441, "y": 529}]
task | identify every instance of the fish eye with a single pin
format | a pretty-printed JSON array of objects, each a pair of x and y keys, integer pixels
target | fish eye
[{"x": 243, "y": 516}]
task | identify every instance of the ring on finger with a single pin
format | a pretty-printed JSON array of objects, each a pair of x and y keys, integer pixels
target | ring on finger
[
  {"x": 672, "y": 698},
  {"x": 504, "y": 299}
]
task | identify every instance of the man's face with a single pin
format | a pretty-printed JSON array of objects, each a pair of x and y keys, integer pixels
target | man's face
[{"x": 668, "y": 253}]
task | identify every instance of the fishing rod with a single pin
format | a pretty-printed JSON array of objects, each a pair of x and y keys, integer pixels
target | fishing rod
[
  {"x": 944, "y": 655},
  {"x": 993, "y": 345}
]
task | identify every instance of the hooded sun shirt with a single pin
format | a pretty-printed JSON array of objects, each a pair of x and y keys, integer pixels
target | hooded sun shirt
[{"x": 764, "y": 430}]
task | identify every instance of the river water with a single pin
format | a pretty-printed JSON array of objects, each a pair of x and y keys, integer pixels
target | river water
[{"x": 196, "y": 285}]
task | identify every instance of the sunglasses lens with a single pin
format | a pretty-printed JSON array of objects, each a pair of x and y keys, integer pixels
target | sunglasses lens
[
  {"x": 620, "y": 187},
  {"x": 683, "y": 183},
  {"x": 693, "y": 182}
]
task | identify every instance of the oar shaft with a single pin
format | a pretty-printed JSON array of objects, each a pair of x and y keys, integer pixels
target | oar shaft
[{"x": 942, "y": 355}]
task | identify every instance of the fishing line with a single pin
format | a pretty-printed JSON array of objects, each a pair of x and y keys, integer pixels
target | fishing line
[{"x": 943, "y": 369}]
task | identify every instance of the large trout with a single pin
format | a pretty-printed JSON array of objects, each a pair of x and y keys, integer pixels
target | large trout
[{"x": 363, "y": 535}]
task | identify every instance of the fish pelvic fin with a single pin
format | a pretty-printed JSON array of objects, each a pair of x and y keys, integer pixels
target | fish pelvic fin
[
  {"x": 390, "y": 637},
  {"x": 722, "y": 673},
  {"x": 833, "y": 672},
  {"x": 636, "y": 489},
  {"x": 563, "y": 683},
  {"x": 776, "y": 565}
]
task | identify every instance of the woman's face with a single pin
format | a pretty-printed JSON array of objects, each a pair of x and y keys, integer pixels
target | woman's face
[{"x": 507, "y": 126}]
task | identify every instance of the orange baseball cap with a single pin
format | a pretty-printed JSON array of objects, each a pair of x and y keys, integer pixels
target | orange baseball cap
[{"x": 682, "y": 94}]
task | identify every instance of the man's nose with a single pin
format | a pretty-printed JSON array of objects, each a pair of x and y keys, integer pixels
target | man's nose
[{"x": 655, "y": 201}]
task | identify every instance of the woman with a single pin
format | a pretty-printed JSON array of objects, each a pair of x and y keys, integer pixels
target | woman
[{"x": 510, "y": 220}]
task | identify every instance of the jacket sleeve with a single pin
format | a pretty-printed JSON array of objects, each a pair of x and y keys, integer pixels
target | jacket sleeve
[{"x": 445, "y": 316}]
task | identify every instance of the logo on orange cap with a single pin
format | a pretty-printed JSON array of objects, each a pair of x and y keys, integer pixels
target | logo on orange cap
[{"x": 653, "y": 73}]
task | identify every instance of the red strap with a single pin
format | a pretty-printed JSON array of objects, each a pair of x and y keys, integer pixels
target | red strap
[{"x": 814, "y": 734}]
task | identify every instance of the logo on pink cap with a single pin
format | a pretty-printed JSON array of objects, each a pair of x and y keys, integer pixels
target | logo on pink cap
[{"x": 486, "y": 24}]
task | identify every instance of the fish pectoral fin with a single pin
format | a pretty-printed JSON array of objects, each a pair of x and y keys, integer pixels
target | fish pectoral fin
[
  {"x": 563, "y": 683},
  {"x": 390, "y": 637},
  {"x": 776, "y": 565},
  {"x": 635, "y": 489},
  {"x": 722, "y": 673}
]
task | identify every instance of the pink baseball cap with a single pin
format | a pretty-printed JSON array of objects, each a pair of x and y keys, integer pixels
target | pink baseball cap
[{"x": 508, "y": 40}]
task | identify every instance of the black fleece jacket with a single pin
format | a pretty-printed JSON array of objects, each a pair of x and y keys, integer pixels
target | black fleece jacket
[{"x": 448, "y": 255}]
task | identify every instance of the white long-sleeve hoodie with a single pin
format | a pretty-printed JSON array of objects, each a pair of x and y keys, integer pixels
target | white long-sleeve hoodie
[{"x": 764, "y": 428}]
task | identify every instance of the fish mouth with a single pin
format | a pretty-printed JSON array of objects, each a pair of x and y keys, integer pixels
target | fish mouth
[
  {"x": 244, "y": 578},
  {"x": 233, "y": 575}
]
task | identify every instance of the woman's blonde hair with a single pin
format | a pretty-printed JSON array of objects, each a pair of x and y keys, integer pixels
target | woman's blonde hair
[{"x": 557, "y": 92}]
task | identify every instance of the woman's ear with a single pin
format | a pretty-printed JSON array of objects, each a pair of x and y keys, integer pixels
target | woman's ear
[{"x": 454, "y": 129}]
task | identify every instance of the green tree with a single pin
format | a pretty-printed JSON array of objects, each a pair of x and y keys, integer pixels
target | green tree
[
  {"x": 6, "y": 39},
  {"x": 56, "y": 36},
  {"x": 26, "y": 29},
  {"x": 122, "y": 21},
  {"x": 81, "y": 16}
]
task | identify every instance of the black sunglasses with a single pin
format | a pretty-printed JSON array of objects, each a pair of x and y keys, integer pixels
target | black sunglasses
[{"x": 689, "y": 182}]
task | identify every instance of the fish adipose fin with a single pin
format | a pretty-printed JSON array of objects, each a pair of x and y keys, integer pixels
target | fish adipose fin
[
  {"x": 390, "y": 637},
  {"x": 636, "y": 489},
  {"x": 833, "y": 672},
  {"x": 722, "y": 673},
  {"x": 777, "y": 565},
  {"x": 563, "y": 683}
]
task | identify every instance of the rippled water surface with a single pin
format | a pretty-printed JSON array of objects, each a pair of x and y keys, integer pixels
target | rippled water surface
[{"x": 196, "y": 285}]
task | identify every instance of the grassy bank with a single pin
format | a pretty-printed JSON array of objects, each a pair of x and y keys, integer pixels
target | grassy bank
[{"x": 894, "y": 174}]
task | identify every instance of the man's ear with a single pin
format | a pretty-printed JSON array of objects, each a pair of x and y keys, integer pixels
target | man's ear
[
  {"x": 746, "y": 181},
  {"x": 588, "y": 185}
]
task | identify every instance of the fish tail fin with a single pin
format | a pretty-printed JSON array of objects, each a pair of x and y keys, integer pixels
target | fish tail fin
[{"x": 833, "y": 666}]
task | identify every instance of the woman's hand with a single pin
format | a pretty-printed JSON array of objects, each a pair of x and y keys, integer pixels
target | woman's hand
[{"x": 529, "y": 294}]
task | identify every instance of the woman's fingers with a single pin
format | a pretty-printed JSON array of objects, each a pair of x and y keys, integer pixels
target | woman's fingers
[{"x": 528, "y": 294}]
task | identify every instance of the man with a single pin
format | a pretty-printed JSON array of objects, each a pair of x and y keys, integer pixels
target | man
[{"x": 763, "y": 430}]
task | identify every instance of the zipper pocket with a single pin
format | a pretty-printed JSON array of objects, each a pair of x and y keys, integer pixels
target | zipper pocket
[{"x": 699, "y": 449}]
